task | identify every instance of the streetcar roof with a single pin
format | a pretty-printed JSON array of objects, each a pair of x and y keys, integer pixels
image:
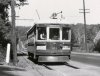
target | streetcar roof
[{"x": 51, "y": 21}]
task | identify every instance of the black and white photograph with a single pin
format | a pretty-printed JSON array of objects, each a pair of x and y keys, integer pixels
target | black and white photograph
[{"x": 49, "y": 37}]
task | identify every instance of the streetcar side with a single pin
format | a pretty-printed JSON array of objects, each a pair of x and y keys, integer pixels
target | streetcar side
[{"x": 30, "y": 42}]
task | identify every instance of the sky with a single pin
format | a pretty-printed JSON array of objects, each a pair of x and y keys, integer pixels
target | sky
[{"x": 70, "y": 9}]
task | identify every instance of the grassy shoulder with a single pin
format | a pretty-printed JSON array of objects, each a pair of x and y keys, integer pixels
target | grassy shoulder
[{"x": 2, "y": 54}]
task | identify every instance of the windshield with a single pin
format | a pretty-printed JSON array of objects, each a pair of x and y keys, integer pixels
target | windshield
[
  {"x": 54, "y": 33},
  {"x": 65, "y": 33}
]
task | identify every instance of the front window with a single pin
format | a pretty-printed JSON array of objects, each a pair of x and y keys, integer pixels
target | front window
[
  {"x": 42, "y": 33},
  {"x": 65, "y": 33},
  {"x": 54, "y": 33}
]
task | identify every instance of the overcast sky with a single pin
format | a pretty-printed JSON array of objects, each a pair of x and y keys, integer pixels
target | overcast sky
[{"x": 70, "y": 9}]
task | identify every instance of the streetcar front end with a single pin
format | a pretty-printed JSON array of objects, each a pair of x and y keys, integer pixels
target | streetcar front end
[{"x": 53, "y": 43}]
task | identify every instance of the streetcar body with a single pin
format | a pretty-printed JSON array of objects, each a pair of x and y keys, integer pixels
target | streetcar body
[{"x": 50, "y": 41}]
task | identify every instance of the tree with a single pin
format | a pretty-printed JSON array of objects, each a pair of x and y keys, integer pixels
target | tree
[{"x": 5, "y": 25}]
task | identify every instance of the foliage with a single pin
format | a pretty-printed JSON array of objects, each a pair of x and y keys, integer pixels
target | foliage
[
  {"x": 5, "y": 25},
  {"x": 5, "y": 29},
  {"x": 4, "y": 4},
  {"x": 90, "y": 34},
  {"x": 97, "y": 46},
  {"x": 21, "y": 32},
  {"x": 3, "y": 11},
  {"x": 22, "y": 0}
]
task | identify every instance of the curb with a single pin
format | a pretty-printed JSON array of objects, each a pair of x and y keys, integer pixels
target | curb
[{"x": 91, "y": 54}]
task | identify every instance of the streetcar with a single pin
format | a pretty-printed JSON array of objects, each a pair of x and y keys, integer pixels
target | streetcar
[{"x": 50, "y": 41}]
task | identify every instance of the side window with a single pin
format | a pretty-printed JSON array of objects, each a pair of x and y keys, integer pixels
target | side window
[
  {"x": 42, "y": 33},
  {"x": 65, "y": 33}
]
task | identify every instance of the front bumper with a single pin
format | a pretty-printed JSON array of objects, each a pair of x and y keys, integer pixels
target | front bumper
[{"x": 53, "y": 58}]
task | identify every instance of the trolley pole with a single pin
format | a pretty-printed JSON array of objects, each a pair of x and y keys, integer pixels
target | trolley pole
[
  {"x": 14, "y": 48},
  {"x": 85, "y": 29},
  {"x": 37, "y": 14}
]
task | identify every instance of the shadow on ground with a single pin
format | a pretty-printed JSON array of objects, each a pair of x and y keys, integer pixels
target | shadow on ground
[{"x": 8, "y": 70}]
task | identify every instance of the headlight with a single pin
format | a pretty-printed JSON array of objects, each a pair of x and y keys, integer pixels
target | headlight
[
  {"x": 66, "y": 48},
  {"x": 41, "y": 48}
]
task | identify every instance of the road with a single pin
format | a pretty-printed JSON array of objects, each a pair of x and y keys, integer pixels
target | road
[
  {"x": 71, "y": 68},
  {"x": 87, "y": 59},
  {"x": 80, "y": 65}
]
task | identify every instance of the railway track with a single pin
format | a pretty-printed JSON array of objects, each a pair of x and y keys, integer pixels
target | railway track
[
  {"x": 57, "y": 70},
  {"x": 71, "y": 66}
]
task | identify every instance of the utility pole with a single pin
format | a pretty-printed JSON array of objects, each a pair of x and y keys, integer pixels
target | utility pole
[
  {"x": 14, "y": 47},
  {"x": 85, "y": 29}
]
